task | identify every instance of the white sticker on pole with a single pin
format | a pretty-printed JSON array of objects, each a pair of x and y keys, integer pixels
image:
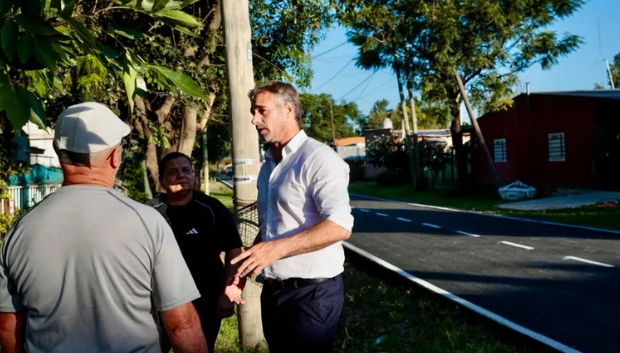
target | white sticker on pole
[
  {"x": 245, "y": 179},
  {"x": 245, "y": 161},
  {"x": 250, "y": 51}
]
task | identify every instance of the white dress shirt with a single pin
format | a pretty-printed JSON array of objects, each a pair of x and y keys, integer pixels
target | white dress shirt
[{"x": 309, "y": 185}]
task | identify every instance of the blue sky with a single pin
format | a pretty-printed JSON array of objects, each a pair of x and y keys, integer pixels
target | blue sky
[{"x": 580, "y": 70}]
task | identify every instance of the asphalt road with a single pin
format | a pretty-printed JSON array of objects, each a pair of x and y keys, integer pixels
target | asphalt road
[{"x": 561, "y": 282}]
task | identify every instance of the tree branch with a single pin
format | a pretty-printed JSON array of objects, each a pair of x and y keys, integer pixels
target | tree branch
[{"x": 163, "y": 111}]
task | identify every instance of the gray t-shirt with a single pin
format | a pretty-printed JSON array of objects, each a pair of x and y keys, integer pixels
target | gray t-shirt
[{"x": 91, "y": 266}]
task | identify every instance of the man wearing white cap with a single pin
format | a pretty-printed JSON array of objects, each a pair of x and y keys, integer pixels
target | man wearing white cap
[{"x": 86, "y": 269}]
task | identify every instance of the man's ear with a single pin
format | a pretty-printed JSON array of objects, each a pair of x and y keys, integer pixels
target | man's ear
[
  {"x": 117, "y": 156},
  {"x": 290, "y": 109}
]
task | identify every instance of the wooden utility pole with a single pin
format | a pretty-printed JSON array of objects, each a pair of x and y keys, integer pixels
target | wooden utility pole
[
  {"x": 414, "y": 129},
  {"x": 331, "y": 113},
  {"x": 403, "y": 105},
  {"x": 474, "y": 122},
  {"x": 237, "y": 37}
]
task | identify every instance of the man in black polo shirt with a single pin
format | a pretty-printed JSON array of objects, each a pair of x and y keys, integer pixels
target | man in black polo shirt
[{"x": 203, "y": 228}]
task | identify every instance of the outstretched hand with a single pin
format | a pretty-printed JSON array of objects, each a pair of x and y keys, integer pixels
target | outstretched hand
[
  {"x": 256, "y": 258},
  {"x": 233, "y": 289}
]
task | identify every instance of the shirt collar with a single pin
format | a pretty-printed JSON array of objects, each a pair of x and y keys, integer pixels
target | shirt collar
[{"x": 292, "y": 146}]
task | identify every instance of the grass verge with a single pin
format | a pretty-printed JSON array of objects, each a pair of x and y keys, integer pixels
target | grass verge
[
  {"x": 603, "y": 215},
  {"x": 379, "y": 317},
  {"x": 221, "y": 192}
]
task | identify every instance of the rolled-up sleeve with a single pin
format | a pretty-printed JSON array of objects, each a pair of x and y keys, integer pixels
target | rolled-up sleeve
[{"x": 329, "y": 187}]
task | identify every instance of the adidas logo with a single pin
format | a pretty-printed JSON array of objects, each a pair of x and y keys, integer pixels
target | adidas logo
[{"x": 193, "y": 231}]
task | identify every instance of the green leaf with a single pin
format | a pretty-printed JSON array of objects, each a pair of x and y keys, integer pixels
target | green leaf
[
  {"x": 129, "y": 78},
  {"x": 182, "y": 81},
  {"x": 44, "y": 53},
  {"x": 179, "y": 17},
  {"x": 67, "y": 12},
  {"x": 16, "y": 105},
  {"x": 62, "y": 53},
  {"x": 9, "y": 39},
  {"x": 108, "y": 51},
  {"x": 188, "y": 2},
  {"x": 5, "y": 7},
  {"x": 37, "y": 112},
  {"x": 24, "y": 49},
  {"x": 36, "y": 25},
  {"x": 159, "y": 5},
  {"x": 178, "y": 27},
  {"x": 130, "y": 33},
  {"x": 82, "y": 31}
]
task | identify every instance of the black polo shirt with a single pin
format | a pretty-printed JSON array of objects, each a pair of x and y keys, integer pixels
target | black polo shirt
[{"x": 203, "y": 229}]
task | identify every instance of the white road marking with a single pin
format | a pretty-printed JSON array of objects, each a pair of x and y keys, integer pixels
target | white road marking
[
  {"x": 363, "y": 210},
  {"x": 587, "y": 261},
  {"x": 517, "y": 245},
  {"x": 468, "y": 234},
  {"x": 431, "y": 225},
  {"x": 490, "y": 214},
  {"x": 480, "y": 310},
  {"x": 381, "y": 214},
  {"x": 403, "y": 219}
]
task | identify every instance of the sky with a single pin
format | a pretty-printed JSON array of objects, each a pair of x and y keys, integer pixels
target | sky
[{"x": 335, "y": 72}]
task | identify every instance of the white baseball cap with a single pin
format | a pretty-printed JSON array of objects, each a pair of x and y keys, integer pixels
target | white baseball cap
[{"x": 88, "y": 128}]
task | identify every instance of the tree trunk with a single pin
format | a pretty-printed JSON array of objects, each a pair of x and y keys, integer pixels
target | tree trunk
[
  {"x": 182, "y": 140},
  {"x": 202, "y": 125},
  {"x": 459, "y": 149},
  {"x": 150, "y": 154}
]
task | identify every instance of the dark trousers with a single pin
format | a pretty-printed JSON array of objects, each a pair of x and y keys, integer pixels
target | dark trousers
[
  {"x": 302, "y": 320},
  {"x": 208, "y": 320}
]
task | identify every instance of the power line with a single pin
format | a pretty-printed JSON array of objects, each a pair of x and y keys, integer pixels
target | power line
[
  {"x": 378, "y": 88},
  {"x": 361, "y": 83},
  {"x": 333, "y": 77},
  {"x": 365, "y": 88},
  {"x": 330, "y": 50},
  {"x": 343, "y": 76}
]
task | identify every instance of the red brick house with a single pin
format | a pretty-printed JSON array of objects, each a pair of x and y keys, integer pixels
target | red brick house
[{"x": 554, "y": 139}]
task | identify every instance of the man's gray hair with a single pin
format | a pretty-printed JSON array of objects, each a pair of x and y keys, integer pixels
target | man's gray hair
[{"x": 283, "y": 92}]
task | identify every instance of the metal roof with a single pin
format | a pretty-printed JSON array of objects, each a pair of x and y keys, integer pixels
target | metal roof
[{"x": 600, "y": 93}]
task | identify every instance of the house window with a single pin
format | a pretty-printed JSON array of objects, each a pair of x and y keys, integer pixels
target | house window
[
  {"x": 557, "y": 147},
  {"x": 499, "y": 151}
]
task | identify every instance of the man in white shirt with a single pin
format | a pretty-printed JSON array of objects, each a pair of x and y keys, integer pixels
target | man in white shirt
[{"x": 304, "y": 213}]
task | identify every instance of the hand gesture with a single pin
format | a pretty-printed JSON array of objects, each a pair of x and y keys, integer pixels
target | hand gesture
[
  {"x": 256, "y": 258},
  {"x": 233, "y": 290}
]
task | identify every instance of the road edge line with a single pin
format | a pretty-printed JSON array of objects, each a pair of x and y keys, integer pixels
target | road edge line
[
  {"x": 491, "y": 215},
  {"x": 469, "y": 305}
]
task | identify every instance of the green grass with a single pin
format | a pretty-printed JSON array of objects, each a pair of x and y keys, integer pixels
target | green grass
[
  {"x": 603, "y": 215},
  {"x": 378, "y": 317},
  {"x": 228, "y": 339},
  {"x": 221, "y": 192}
]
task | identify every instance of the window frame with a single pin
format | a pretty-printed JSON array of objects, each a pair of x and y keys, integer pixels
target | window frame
[
  {"x": 504, "y": 150},
  {"x": 551, "y": 155}
]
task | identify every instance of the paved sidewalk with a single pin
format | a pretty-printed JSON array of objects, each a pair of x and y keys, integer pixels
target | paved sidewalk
[{"x": 570, "y": 201}]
